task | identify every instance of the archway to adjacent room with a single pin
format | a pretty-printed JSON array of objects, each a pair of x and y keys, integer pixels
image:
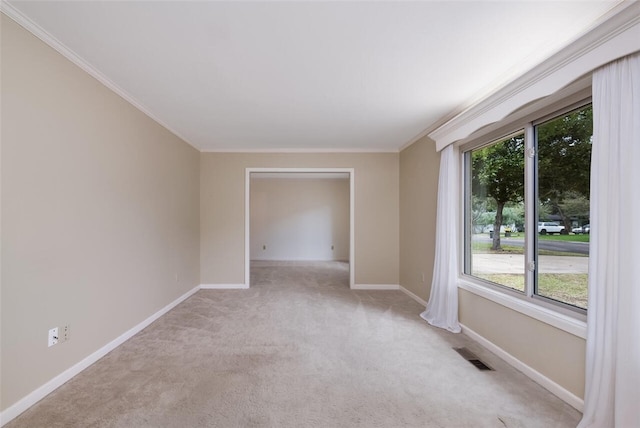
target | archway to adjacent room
[{"x": 347, "y": 174}]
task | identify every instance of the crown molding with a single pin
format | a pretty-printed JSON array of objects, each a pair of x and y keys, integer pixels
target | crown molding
[
  {"x": 346, "y": 150},
  {"x": 13, "y": 13},
  {"x": 616, "y": 35}
]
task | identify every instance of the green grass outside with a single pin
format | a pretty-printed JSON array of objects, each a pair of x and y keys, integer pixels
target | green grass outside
[
  {"x": 569, "y": 238},
  {"x": 485, "y": 247},
  {"x": 566, "y": 287}
]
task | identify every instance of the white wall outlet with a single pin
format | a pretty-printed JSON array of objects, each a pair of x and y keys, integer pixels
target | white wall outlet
[
  {"x": 53, "y": 336},
  {"x": 65, "y": 333},
  {"x": 422, "y": 276}
]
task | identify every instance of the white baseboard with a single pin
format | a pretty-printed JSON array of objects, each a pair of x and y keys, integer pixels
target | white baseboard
[
  {"x": 16, "y": 409},
  {"x": 375, "y": 287},
  {"x": 413, "y": 296},
  {"x": 556, "y": 389},
  {"x": 223, "y": 286},
  {"x": 23, "y": 404}
]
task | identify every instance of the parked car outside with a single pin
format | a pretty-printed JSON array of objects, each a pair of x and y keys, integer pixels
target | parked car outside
[
  {"x": 549, "y": 227},
  {"x": 584, "y": 229}
]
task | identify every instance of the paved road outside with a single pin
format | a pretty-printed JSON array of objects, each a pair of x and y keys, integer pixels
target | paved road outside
[
  {"x": 567, "y": 246},
  {"x": 514, "y": 263}
]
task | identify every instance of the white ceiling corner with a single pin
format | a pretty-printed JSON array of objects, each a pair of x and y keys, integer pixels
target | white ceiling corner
[
  {"x": 305, "y": 76},
  {"x": 562, "y": 75}
]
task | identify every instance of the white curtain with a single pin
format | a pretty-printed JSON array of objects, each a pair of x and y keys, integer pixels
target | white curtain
[
  {"x": 442, "y": 308},
  {"x": 612, "y": 393}
]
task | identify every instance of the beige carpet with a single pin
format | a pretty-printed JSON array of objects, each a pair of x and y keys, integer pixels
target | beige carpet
[{"x": 298, "y": 349}]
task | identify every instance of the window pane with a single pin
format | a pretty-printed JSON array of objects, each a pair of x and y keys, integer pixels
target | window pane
[
  {"x": 496, "y": 238},
  {"x": 564, "y": 165}
]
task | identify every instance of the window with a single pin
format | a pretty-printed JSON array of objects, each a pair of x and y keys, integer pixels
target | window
[
  {"x": 527, "y": 210},
  {"x": 496, "y": 208}
]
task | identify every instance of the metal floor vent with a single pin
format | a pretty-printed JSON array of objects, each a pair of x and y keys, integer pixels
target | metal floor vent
[{"x": 472, "y": 358}]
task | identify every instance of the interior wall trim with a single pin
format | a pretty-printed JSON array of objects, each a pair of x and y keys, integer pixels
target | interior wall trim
[
  {"x": 551, "y": 317},
  {"x": 413, "y": 296},
  {"x": 247, "y": 213},
  {"x": 617, "y": 34},
  {"x": 553, "y": 387},
  {"x": 304, "y": 150},
  {"x": 69, "y": 54},
  {"x": 375, "y": 287},
  {"x": 223, "y": 286},
  {"x": 32, "y": 398}
]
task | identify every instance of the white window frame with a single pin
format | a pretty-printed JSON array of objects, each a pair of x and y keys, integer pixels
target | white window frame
[{"x": 557, "y": 314}]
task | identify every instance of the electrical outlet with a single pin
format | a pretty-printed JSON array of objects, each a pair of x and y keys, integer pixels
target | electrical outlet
[
  {"x": 264, "y": 247},
  {"x": 66, "y": 331},
  {"x": 332, "y": 248},
  {"x": 53, "y": 336},
  {"x": 422, "y": 276}
]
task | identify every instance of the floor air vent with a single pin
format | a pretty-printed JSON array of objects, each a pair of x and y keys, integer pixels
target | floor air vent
[{"x": 472, "y": 358}]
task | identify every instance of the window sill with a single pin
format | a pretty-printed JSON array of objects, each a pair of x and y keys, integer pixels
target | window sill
[{"x": 558, "y": 320}]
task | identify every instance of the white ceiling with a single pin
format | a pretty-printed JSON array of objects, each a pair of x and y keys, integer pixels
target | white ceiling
[{"x": 328, "y": 76}]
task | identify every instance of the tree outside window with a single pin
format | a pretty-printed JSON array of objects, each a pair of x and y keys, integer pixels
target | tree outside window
[{"x": 495, "y": 213}]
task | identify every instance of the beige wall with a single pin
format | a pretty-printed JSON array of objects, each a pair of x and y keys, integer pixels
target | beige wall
[
  {"x": 222, "y": 189},
  {"x": 299, "y": 219},
  {"x": 558, "y": 355},
  {"x": 419, "y": 166},
  {"x": 101, "y": 208},
  {"x": 100, "y": 212}
]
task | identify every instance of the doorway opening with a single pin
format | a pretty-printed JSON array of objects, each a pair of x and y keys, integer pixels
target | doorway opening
[{"x": 317, "y": 222}]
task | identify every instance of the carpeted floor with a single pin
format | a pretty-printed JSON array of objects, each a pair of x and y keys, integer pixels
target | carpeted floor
[{"x": 298, "y": 349}]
